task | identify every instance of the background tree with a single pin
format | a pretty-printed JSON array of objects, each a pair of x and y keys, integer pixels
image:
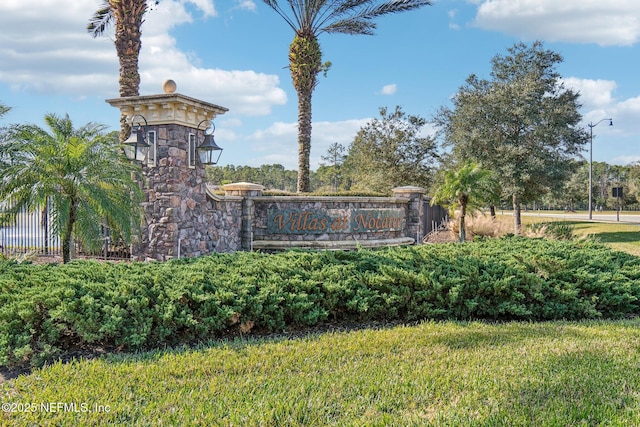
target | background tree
[
  {"x": 522, "y": 124},
  {"x": 335, "y": 157},
  {"x": 128, "y": 16},
  {"x": 468, "y": 188},
  {"x": 390, "y": 151},
  {"x": 573, "y": 194},
  {"x": 309, "y": 19},
  {"x": 634, "y": 180},
  {"x": 273, "y": 176},
  {"x": 82, "y": 174}
]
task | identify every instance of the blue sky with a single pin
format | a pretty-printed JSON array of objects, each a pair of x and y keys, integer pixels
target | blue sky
[{"x": 234, "y": 53}]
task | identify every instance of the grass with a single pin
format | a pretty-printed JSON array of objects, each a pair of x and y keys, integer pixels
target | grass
[
  {"x": 453, "y": 374},
  {"x": 623, "y": 237}
]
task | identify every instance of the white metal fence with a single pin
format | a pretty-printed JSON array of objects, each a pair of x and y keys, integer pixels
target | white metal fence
[
  {"x": 32, "y": 231},
  {"x": 29, "y": 232}
]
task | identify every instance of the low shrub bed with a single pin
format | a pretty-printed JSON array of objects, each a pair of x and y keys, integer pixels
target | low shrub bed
[{"x": 49, "y": 310}]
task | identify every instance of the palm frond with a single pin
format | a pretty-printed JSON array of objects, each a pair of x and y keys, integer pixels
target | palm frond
[
  {"x": 101, "y": 20},
  {"x": 356, "y": 16},
  {"x": 4, "y": 109},
  {"x": 276, "y": 7}
]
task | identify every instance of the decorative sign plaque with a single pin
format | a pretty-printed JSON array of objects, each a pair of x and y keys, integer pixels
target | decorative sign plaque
[{"x": 291, "y": 221}]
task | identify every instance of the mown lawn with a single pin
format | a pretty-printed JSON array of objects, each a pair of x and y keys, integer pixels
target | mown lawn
[
  {"x": 449, "y": 373},
  {"x": 623, "y": 237}
]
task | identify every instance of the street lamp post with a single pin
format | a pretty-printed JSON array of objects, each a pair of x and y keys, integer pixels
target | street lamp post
[{"x": 591, "y": 126}]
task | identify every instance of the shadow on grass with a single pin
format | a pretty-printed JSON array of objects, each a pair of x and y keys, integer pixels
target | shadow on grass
[
  {"x": 619, "y": 237},
  {"x": 230, "y": 339},
  {"x": 599, "y": 231}
]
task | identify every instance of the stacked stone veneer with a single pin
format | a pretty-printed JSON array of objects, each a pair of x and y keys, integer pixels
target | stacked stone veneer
[
  {"x": 180, "y": 219},
  {"x": 183, "y": 218},
  {"x": 258, "y": 211}
]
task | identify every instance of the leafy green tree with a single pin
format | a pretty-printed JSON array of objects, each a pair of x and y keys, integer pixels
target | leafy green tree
[
  {"x": 335, "y": 157},
  {"x": 523, "y": 124},
  {"x": 390, "y": 151},
  {"x": 573, "y": 193},
  {"x": 309, "y": 19},
  {"x": 604, "y": 176},
  {"x": 87, "y": 182},
  {"x": 127, "y": 17},
  {"x": 634, "y": 179},
  {"x": 468, "y": 188},
  {"x": 273, "y": 176}
]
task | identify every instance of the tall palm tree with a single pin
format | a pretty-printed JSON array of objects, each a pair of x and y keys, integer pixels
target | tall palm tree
[
  {"x": 80, "y": 171},
  {"x": 309, "y": 19},
  {"x": 128, "y": 16},
  {"x": 467, "y": 188}
]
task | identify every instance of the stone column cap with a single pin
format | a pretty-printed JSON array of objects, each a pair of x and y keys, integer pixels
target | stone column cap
[
  {"x": 242, "y": 186},
  {"x": 168, "y": 108},
  {"x": 409, "y": 189}
]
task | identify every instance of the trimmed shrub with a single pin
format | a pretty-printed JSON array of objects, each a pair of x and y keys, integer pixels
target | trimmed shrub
[{"x": 49, "y": 310}]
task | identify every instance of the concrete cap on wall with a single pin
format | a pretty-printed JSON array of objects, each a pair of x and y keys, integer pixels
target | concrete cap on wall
[
  {"x": 409, "y": 189},
  {"x": 245, "y": 189},
  {"x": 242, "y": 186},
  {"x": 168, "y": 108}
]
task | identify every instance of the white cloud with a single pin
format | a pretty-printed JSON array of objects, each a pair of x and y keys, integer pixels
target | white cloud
[
  {"x": 206, "y": 6},
  {"x": 599, "y": 102},
  {"x": 624, "y": 159},
  {"x": 614, "y": 22},
  {"x": 625, "y": 117},
  {"x": 593, "y": 93},
  {"x": 282, "y": 138},
  {"x": 389, "y": 89},
  {"x": 45, "y": 49},
  {"x": 249, "y": 5},
  {"x": 452, "y": 16},
  {"x": 232, "y": 122}
]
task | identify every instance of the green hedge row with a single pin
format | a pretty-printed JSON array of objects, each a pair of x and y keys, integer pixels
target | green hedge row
[{"x": 47, "y": 310}]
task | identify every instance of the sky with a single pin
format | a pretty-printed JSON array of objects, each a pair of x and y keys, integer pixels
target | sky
[{"x": 234, "y": 53}]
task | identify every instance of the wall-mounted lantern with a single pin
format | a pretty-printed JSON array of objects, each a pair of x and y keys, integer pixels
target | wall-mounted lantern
[
  {"x": 208, "y": 148},
  {"x": 136, "y": 146}
]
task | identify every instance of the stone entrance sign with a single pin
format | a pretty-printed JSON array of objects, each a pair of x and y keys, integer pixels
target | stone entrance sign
[
  {"x": 321, "y": 221},
  {"x": 184, "y": 217}
]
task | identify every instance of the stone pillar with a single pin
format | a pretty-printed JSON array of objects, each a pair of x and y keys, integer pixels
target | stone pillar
[
  {"x": 415, "y": 207},
  {"x": 177, "y": 211},
  {"x": 247, "y": 191}
]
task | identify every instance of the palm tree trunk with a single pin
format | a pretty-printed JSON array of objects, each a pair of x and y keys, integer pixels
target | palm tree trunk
[
  {"x": 68, "y": 232},
  {"x": 129, "y": 15},
  {"x": 462, "y": 233},
  {"x": 304, "y": 141},
  {"x": 305, "y": 63},
  {"x": 463, "y": 214}
]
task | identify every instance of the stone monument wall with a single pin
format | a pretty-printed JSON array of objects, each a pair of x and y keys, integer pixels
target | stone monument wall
[
  {"x": 180, "y": 220},
  {"x": 281, "y": 222}
]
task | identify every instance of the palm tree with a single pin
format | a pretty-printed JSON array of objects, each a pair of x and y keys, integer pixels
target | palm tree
[
  {"x": 3, "y": 109},
  {"x": 128, "y": 16},
  {"x": 80, "y": 171},
  {"x": 309, "y": 19},
  {"x": 467, "y": 188}
]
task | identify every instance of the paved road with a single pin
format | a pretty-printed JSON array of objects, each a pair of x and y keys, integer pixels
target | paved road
[{"x": 597, "y": 216}]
